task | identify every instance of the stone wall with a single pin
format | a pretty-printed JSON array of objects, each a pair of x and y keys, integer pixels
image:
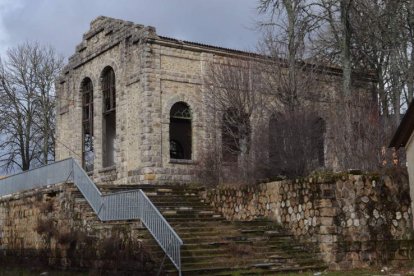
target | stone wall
[
  {"x": 56, "y": 227},
  {"x": 357, "y": 220},
  {"x": 247, "y": 203}
]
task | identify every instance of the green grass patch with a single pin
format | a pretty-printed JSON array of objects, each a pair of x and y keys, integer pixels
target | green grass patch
[{"x": 338, "y": 273}]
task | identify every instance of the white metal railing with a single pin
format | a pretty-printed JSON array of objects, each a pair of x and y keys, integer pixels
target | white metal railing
[{"x": 126, "y": 205}]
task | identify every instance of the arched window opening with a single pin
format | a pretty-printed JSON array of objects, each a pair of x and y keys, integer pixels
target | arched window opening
[
  {"x": 109, "y": 117},
  {"x": 235, "y": 134},
  {"x": 87, "y": 125},
  {"x": 180, "y": 131}
]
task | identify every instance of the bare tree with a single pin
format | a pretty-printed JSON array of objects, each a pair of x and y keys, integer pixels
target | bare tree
[
  {"x": 287, "y": 26},
  {"x": 297, "y": 140},
  {"x": 27, "y": 106},
  {"x": 382, "y": 43},
  {"x": 357, "y": 36},
  {"x": 235, "y": 99},
  {"x": 260, "y": 134},
  {"x": 296, "y": 131}
]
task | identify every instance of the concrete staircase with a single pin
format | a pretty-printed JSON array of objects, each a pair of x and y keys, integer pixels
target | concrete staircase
[{"x": 214, "y": 246}]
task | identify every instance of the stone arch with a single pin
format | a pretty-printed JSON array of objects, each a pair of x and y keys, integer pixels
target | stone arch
[
  {"x": 109, "y": 102},
  {"x": 99, "y": 74},
  {"x": 195, "y": 111}
]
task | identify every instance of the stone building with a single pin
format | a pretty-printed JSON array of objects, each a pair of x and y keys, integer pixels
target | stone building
[{"x": 132, "y": 104}]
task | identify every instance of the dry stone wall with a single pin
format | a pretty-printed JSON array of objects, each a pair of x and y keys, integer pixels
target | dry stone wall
[
  {"x": 247, "y": 203},
  {"x": 56, "y": 227},
  {"x": 357, "y": 220}
]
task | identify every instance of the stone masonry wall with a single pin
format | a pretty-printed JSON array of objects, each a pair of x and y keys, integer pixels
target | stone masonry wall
[
  {"x": 152, "y": 73},
  {"x": 55, "y": 227},
  {"x": 357, "y": 220}
]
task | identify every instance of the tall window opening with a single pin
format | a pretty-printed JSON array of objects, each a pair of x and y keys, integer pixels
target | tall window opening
[
  {"x": 235, "y": 134},
  {"x": 87, "y": 125},
  {"x": 109, "y": 117},
  {"x": 180, "y": 131},
  {"x": 296, "y": 143},
  {"x": 279, "y": 152},
  {"x": 319, "y": 140}
]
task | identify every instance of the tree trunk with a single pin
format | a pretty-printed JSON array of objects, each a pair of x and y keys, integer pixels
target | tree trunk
[
  {"x": 346, "y": 48},
  {"x": 290, "y": 11},
  {"x": 381, "y": 91},
  {"x": 410, "y": 73}
]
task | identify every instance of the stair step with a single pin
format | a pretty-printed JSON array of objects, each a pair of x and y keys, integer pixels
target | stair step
[{"x": 213, "y": 245}]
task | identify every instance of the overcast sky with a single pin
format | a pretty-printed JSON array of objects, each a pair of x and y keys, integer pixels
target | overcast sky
[{"x": 61, "y": 23}]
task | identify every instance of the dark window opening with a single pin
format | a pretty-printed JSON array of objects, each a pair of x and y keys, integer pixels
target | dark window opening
[
  {"x": 296, "y": 143},
  {"x": 108, "y": 89},
  {"x": 176, "y": 150},
  {"x": 180, "y": 131},
  {"x": 109, "y": 117},
  {"x": 235, "y": 134},
  {"x": 87, "y": 125},
  {"x": 277, "y": 144},
  {"x": 319, "y": 140}
]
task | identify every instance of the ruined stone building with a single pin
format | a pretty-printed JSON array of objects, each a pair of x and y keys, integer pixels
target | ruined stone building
[{"x": 132, "y": 104}]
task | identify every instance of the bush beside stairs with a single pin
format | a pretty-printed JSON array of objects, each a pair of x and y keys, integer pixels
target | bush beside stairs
[{"x": 215, "y": 246}]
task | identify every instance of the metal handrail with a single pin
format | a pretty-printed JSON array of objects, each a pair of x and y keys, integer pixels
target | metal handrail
[{"x": 125, "y": 205}]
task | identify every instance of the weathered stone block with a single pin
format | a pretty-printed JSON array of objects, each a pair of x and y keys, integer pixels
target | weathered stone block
[{"x": 327, "y": 212}]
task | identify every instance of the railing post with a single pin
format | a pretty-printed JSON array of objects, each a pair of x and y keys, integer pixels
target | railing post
[
  {"x": 100, "y": 209},
  {"x": 141, "y": 206},
  {"x": 72, "y": 162}
]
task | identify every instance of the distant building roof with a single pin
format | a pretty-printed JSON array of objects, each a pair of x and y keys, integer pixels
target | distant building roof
[{"x": 405, "y": 129}]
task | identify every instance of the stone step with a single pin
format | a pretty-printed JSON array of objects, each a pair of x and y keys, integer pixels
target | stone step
[
  {"x": 212, "y": 245},
  {"x": 254, "y": 269},
  {"x": 172, "y": 215},
  {"x": 202, "y": 264},
  {"x": 186, "y": 211},
  {"x": 176, "y": 205},
  {"x": 177, "y": 220},
  {"x": 203, "y": 233},
  {"x": 220, "y": 227},
  {"x": 263, "y": 247},
  {"x": 173, "y": 200},
  {"x": 148, "y": 187},
  {"x": 269, "y": 254},
  {"x": 268, "y": 227},
  {"x": 233, "y": 235}
]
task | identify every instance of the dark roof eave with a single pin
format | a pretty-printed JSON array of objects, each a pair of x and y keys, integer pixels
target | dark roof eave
[{"x": 404, "y": 130}]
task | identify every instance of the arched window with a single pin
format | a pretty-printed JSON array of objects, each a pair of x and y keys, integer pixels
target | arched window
[
  {"x": 235, "y": 134},
  {"x": 180, "y": 131},
  {"x": 87, "y": 125},
  {"x": 109, "y": 117}
]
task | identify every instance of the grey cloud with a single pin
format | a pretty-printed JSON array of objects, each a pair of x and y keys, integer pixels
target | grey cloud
[{"x": 61, "y": 23}]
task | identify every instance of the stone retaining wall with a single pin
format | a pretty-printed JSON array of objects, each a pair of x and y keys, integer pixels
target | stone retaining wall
[
  {"x": 56, "y": 227},
  {"x": 357, "y": 220}
]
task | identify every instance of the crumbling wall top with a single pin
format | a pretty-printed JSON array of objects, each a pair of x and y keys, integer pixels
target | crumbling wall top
[{"x": 104, "y": 34}]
